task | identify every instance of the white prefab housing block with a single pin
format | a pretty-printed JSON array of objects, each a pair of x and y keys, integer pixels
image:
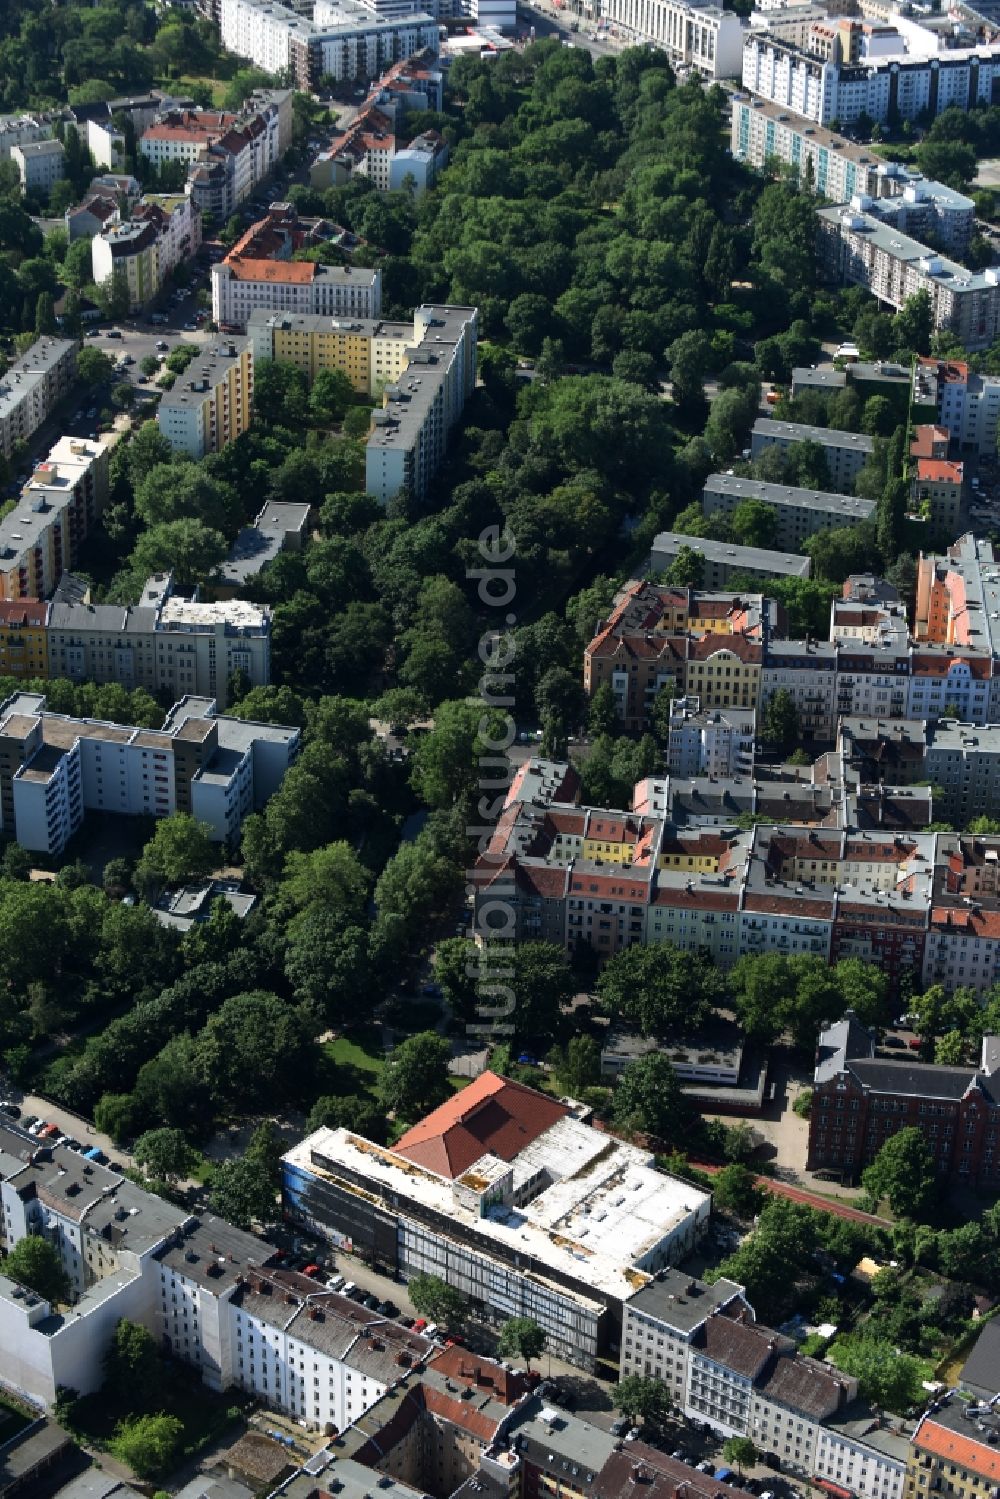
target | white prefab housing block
[
  {"x": 32, "y": 386},
  {"x": 41, "y": 165},
  {"x": 700, "y": 36}
]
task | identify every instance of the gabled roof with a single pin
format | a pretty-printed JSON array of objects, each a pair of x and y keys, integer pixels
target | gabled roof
[
  {"x": 956, "y": 1447},
  {"x": 492, "y": 1116}
]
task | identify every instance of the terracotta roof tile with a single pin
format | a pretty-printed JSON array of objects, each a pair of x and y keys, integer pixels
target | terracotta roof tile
[
  {"x": 492, "y": 1115},
  {"x": 958, "y": 1448}
]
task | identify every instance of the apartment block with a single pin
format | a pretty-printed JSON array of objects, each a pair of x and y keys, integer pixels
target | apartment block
[
  {"x": 54, "y": 769},
  {"x": 721, "y": 560},
  {"x": 661, "y": 1322},
  {"x": 703, "y": 646},
  {"x": 165, "y": 643},
  {"x": 178, "y": 224},
  {"x": 32, "y": 387},
  {"x": 345, "y": 40},
  {"x": 24, "y": 651},
  {"x": 702, "y": 37},
  {"x": 499, "y": 1190},
  {"x": 958, "y": 598},
  {"x": 210, "y": 404},
  {"x": 248, "y": 280},
  {"x": 807, "y": 670},
  {"x": 371, "y": 352},
  {"x": 889, "y": 82},
  {"x": 845, "y": 452},
  {"x": 799, "y": 513},
  {"x": 965, "y": 404},
  {"x": 860, "y": 1101},
  {"x": 411, "y": 430},
  {"x": 130, "y": 251},
  {"x": 58, "y": 506},
  {"x": 227, "y": 155},
  {"x": 41, "y": 164},
  {"x": 710, "y": 742},
  {"x": 23, "y": 130},
  {"x": 856, "y": 247},
  {"x": 838, "y": 169},
  {"x": 95, "y": 213},
  {"x": 937, "y": 491}
]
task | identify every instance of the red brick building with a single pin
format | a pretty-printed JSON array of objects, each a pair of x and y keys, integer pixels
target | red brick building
[{"x": 859, "y": 1101}]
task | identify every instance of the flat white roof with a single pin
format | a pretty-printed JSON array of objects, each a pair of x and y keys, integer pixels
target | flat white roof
[{"x": 606, "y": 1207}]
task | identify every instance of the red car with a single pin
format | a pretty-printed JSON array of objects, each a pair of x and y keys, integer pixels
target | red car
[
  {"x": 914, "y": 1043},
  {"x": 420, "y": 1324},
  {"x": 311, "y": 1270}
]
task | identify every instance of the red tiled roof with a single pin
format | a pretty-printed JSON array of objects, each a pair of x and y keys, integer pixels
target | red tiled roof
[
  {"x": 467, "y": 1368},
  {"x": 937, "y": 470},
  {"x": 299, "y": 272},
  {"x": 492, "y": 1115},
  {"x": 958, "y": 1448},
  {"x": 23, "y": 611}
]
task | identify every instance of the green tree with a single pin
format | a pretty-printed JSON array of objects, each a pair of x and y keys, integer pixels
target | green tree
[
  {"x": 331, "y": 395},
  {"x": 735, "y": 1191},
  {"x": 687, "y": 569},
  {"x": 754, "y": 524},
  {"x": 353, "y": 1111},
  {"x": 578, "y": 1066},
  {"x": 187, "y": 547},
  {"x": 903, "y": 1172},
  {"x": 151, "y": 1445},
  {"x": 93, "y": 367},
  {"x": 436, "y": 1300},
  {"x": 33, "y": 1262},
  {"x": 521, "y": 1337},
  {"x": 781, "y": 720},
  {"x": 886, "y": 1376},
  {"x": 164, "y": 1154},
  {"x": 243, "y": 1192},
  {"x": 740, "y": 1451},
  {"x": 179, "y": 850},
  {"x": 414, "y": 1079},
  {"x": 658, "y": 988},
  {"x": 642, "y": 1401},
  {"x": 447, "y": 760},
  {"x": 133, "y": 1368},
  {"x": 171, "y": 491},
  {"x": 114, "y": 1115},
  {"x": 950, "y": 1049},
  {"x": 648, "y": 1099}
]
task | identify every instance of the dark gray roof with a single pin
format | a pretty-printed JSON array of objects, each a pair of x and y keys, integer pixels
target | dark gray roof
[
  {"x": 981, "y": 1370},
  {"x": 917, "y": 1080},
  {"x": 214, "y": 1253},
  {"x": 738, "y": 1346},
  {"x": 35, "y": 1446},
  {"x": 803, "y": 1384},
  {"x": 680, "y": 1301}
]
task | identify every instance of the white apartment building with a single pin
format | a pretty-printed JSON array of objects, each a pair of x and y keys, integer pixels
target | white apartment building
[
  {"x": 164, "y": 643},
  {"x": 661, "y": 1322},
  {"x": 227, "y": 155},
  {"x": 703, "y": 37},
  {"x": 410, "y": 433},
  {"x": 966, "y": 403},
  {"x": 129, "y": 250},
  {"x": 838, "y": 169},
  {"x": 799, "y": 513},
  {"x": 714, "y": 742},
  {"x": 241, "y": 286},
  {"x": 178, "y": 223},
  {"x": 32, "y": 386},
  {"x": 824, "y": 90},
  {"x": 861, "y": 1453},
  {"x": 202, "y": 1287},
  {"x": 41, "y": 165},
  {"x": 54, "y": 769},
  {"x": 845, "y": 452},
  {"x": 210, "y": 404},
  {"x": 351, "y": 40},
  {"x": 807, "y": 669},
  {"x": 722, "y": 560},
  {"x": 23, "y": 130},
  {"x": 106, "y": 144},
  {"x": 58, "y": 506},
  {"x": 855, "y": 246}
]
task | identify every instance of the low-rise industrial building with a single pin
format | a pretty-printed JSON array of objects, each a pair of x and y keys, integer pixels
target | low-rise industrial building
[{"x": 280, "y": 527}]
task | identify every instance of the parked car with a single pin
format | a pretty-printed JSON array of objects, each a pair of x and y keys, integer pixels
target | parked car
[
  {"x": 28, "y": 1121},
  {"x": 704, "y": 1466},
  {"x": 311, "y": 1270},
  {"x": 348, "y": 1288},
  {"x": 11, "y": 1110},
  {"x": 388, "y": 1309},
  {"x": 114, "y": 333},
  {"x": 896, "y": 1042},
  {"x": 619, "y": 1427},
  {"x": 914, "y": 1043},
  {"x": 162, "y": 346},
  {"x": 420, "y": 1324}
]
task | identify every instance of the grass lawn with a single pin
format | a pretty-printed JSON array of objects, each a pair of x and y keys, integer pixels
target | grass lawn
[
  {"x": 361, "y": 1050},
  {"x": 216, "y": 86}
]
